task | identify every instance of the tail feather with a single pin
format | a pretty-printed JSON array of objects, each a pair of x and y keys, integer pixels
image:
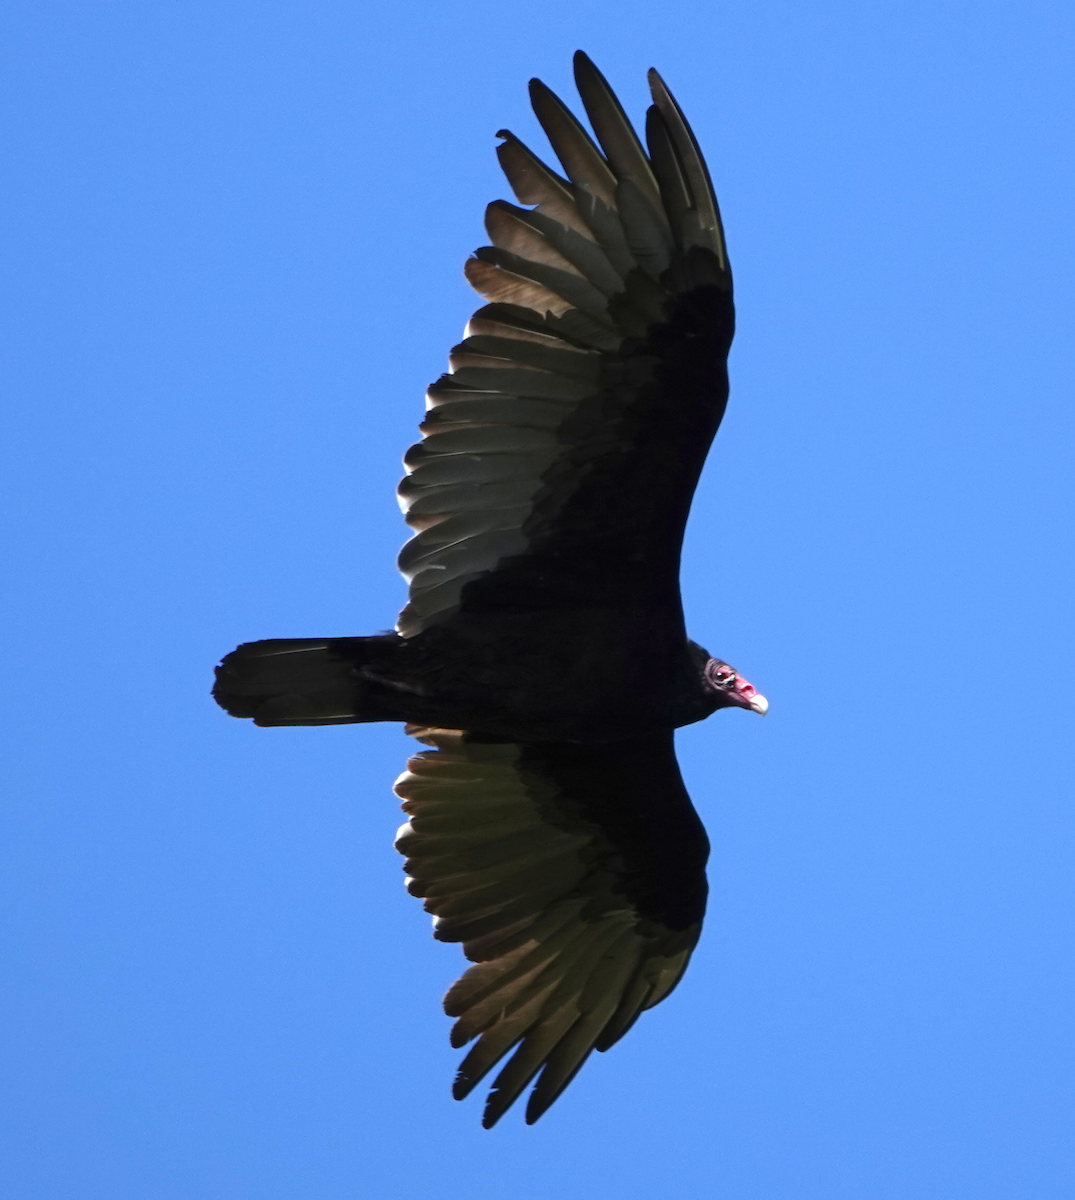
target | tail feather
[{"x": 298, "y": 681}]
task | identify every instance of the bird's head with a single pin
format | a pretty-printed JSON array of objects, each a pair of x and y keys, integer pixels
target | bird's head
[{"x": 729, "y": 688}]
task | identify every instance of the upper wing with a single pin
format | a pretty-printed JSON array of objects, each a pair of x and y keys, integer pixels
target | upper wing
[
  {"x": 573, "y": 875},
  {"x": 561, "y": 453}
]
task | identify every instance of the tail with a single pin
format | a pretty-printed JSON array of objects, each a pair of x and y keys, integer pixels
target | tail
[{"x": 301, "y": 681}]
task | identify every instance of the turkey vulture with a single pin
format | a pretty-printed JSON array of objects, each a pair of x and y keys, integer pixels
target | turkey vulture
[{"x": 542, "y": 654}]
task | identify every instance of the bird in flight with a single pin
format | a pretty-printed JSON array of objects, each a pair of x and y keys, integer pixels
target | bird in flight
[{"x": 542, "y": 656}]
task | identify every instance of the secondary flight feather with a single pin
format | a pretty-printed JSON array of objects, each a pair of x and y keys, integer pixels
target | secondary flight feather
[{"x": 542, "y": 656}]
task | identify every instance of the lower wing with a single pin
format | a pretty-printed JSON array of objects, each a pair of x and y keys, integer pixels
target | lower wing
[{"x": 574, "y": 877}]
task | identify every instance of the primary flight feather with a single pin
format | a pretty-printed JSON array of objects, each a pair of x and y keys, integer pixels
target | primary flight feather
[{"x": 542, "y": 654}]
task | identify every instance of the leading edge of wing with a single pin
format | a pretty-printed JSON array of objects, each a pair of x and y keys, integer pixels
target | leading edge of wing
[
  {"x": 598, "y": 359},
  {"x": 573, "y": 876}
]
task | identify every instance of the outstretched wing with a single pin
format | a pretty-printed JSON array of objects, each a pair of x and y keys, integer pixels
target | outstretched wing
[
  {"x": 561, "y": 453},
  {"x": 574, "y": 877}
]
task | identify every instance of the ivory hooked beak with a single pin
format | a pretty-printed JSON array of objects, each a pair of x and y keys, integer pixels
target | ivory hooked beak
[{"x": 759, "y": 704}]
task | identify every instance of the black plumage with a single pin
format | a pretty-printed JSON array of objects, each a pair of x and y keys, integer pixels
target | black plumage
[{"x": 543, "y": 654}]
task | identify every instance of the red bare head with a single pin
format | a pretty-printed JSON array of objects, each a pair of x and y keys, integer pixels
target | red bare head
[{"x": 733, "y": 688}]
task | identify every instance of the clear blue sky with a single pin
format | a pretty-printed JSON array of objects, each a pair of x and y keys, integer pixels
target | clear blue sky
[{"x": 233, "y": 237}]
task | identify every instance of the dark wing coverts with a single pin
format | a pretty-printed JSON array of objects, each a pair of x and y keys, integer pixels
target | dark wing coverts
[
  {"x": 560, "y": 454},
  {"x": 573, "y": 875}
]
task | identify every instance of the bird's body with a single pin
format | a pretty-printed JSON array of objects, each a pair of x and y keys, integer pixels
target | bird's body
[{"x": 543, "y": 651}]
